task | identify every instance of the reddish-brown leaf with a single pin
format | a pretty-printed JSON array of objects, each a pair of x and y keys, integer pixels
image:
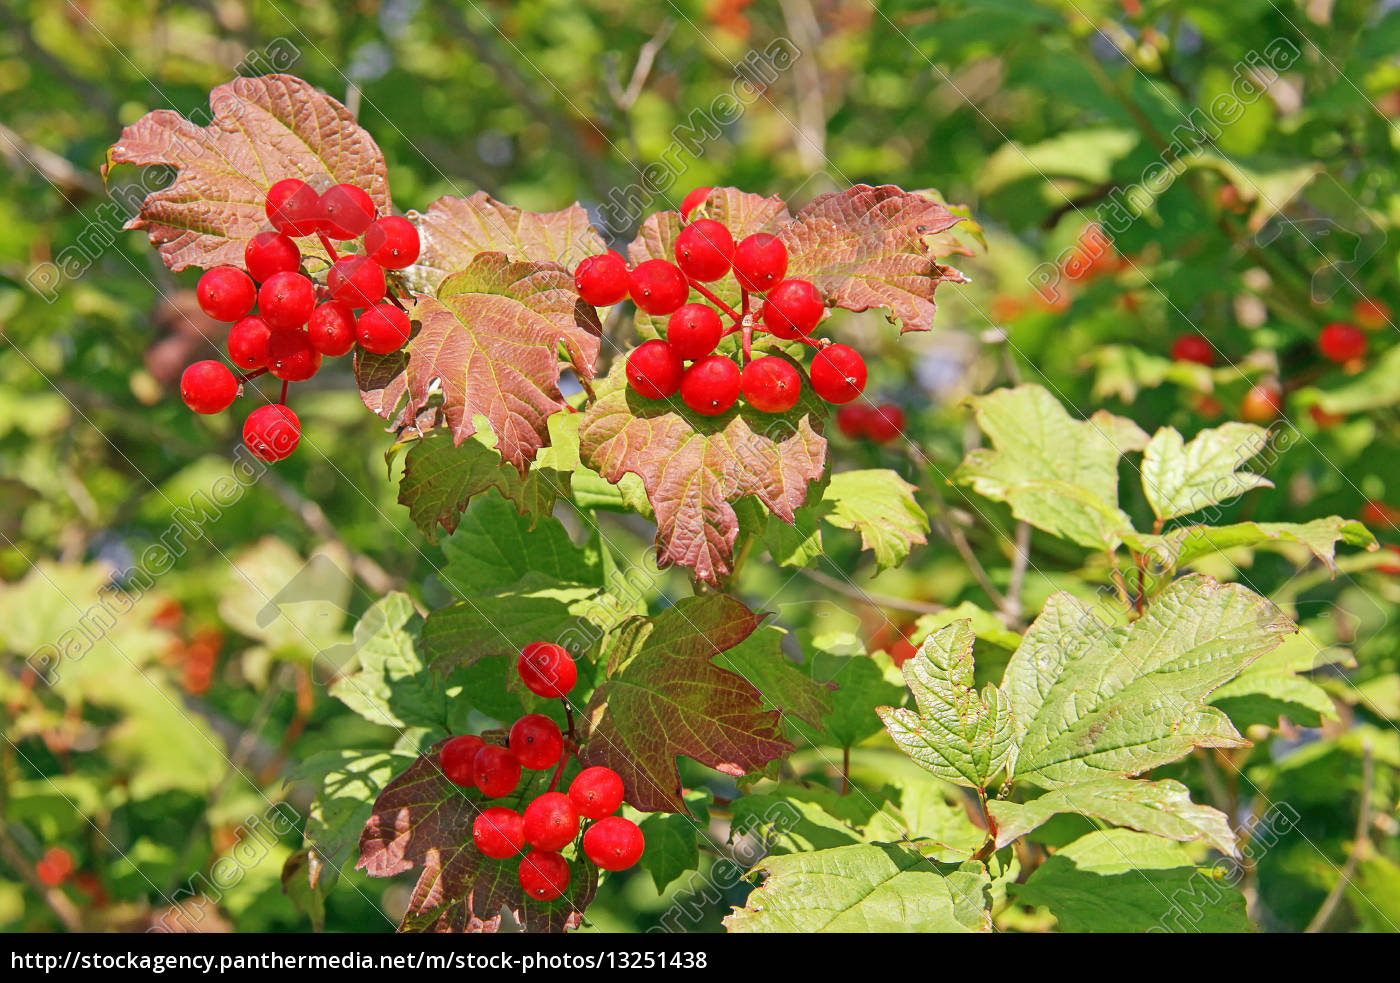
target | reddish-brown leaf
[
  {"x": 490, "y": 343},
  {"x": 662, "y": 697},
  {"x": 423, "y": 822},
  {"x": 694, "y": 468},
  {"x": 263, "y": 130}
]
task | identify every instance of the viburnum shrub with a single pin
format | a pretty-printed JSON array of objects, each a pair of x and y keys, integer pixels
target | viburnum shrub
[{"x": 553, "y": 723}]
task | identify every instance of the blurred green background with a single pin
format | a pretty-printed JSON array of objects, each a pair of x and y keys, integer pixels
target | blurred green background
[{"x": 1061, "y": 125}]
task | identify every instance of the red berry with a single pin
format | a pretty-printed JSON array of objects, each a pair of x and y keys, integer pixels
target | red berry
[
  {"x": 854, "y": 421},
  {"x": 654, "y": 369},
  {"x": 1262, "y": 403},
  {"x": 272, "y": 432},
  {"x": 694, "y": 331},
  {"x": 772, "y": 384},
  {"x": 885, "y": 423},
  {"x": 392, "y": 242},
  {"x": 331, "y": 328},
  {"x": 226, "y": 293},
  {"x": 602, "y": 280},
  {"x": 382, "y": 329},
  {"x": 346, "y": 211},
  {"x": 543, "y": 875},
  {"x": 546, "y": 669},
  {"x": 692, "y": 201},
  {"x": 499, "y": 832},
  {"x": 208, "y": 387},
  {"x": 1193, "y": 348},
  {"x": 247, "y": 342},
  {"x": 54, "y": 867},
  {"x": 536, "y": 742},
  {"x": 1340, "y": 342},
  {"x": 357, "y": 281},
  {"x": 792, "y": 309},
  {"x": 838, "y": 373},
  {"x": 760, "y": 262},
  {"x": 270, "y": 252},
  {"x": 596, "y": 792},
  {"x": 1323, "y": 419},
  {"x": 1370, "y": 313},
  {"x": 551, "y": 822},
  {"x": 497, "y": 771},
  {"x": 286, "y": 300},
  {"x": 658, "y": 287},
  {"x": 704, "y": 250},
  {"x": 614, "y": 843},
  {"x": 290, "y": 356},
  {"x": 1375, "y": 513},
  {"x": 711, "y": 385},
  {"x": 457, "y": 759},
  {"x": 294, "y": 208}
]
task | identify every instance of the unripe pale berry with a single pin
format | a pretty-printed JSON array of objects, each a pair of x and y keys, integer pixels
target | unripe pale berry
[
  {"x": 1263, "y": 403},
  {"x": 226, "y": 293},
  {"x": 208, "y": 387},
  {"x": 711, "y": 385},
  {"x": 602, "y": 280},
  {"x": 272, "y": 432},
  {"x": 771, "y": 384},
  {"x": 654, "y": 369},
  {"x": 838, "y": 374}
]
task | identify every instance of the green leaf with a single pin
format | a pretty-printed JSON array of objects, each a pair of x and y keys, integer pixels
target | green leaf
[
  {"x": 796, "y": 545},
  {"x": 1162, "y": 808},
  {"x": 1376, "y": 387},
  {"x": 1186, "y": 544},
  {"x": 672, "y": 848},
  {"x": 1057, "y": 473},
  {"x": 865, "y": 888},
  {"x": 959, "y": 735},
  {"x": 1272, "y": 688},
  {"x": 494, "y": 547},
  {"x": 296, "y": 607},
  {"x": 879, "y": 505},
  {"x": 662, "y": 696},
  {"x": 346, "y": 783},
  {"x": 1124, "y": 370},
  {"x": 1181, "y": 478},
  {"x": 988, "y": 627},
  {"x": 391, "y": 686},
  {"x": 1121, "y": 881},
  {"x": 861, "y": 683},
  {"x": 1092, "y": 700},
  {"x": 1087, "y": 155},
  {"x": 796, "y": 818},
  {"x": 784, "y": 685}
]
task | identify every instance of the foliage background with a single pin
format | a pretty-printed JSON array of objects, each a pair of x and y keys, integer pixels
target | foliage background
[{"x": 189, "y": 717}]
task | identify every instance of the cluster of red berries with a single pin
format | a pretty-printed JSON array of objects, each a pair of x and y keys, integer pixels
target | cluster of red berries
[
  {"x": 880, "y": 424},
  {"x": 790, "y": 310},
  {"x": 299, "y": 320},
  {"x": 552, "y": 819}
]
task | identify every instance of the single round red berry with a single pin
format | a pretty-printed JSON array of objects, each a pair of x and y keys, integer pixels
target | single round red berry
[
  {"x": 551, "y": 822},
  {"x": 885, "y": 423},
  {"x": 546, "y": 669},
  {"x": 497, "y": 771},
  {"x": 596, "y": 792},
  {"x": 544, "y": 876},
  {"x": 614, "y": 843},
  {"x": 382, "y": 329},
  {"x": 704, "y": 250},
  {"x": 792, "y": 309},
  {"x": 693, "y": 200},
  {"x": 226, "y": 293},
  {"x": 54, "y": 867},
  {"x": 694, "y": 331},
  {"x": 247, "y": 342},
  {"x": 294, "y": 208},
  {"x": 270, "y": 252},
  {"x": 1370, "y": 313},
  {"x": 392, "y": 242},
  {"x": 711, "y": 385},
  {"x": 286, "y": 300},
  {"x": 331, "y": 328},
  {"x": 1193, "y": 348},
  {"x": 658, "y": 287},
  {"x": 838, "y": 374},
  {"x": 854, "y": 421},
  {"x": 771, "y": 384},
  {"x": 536, "y": 742},
  {"x": 272, "y": 432},
  {"x": 208, "y": 387},
  {"x": 1323, "y": 419},
  {"x": 654, "y": 369},
  {"x": 346, "y": 211},
  {"x": 760, "y": 262},
  {"x": 357, "y": 281},
  {"x": 499, "y": 832},
  {"x": 290, "y": 356},
  {"x": 602, "y": 280},
  {"x": 457, "y": 759},
  {"x": 1263, "y": 403},
  {"x": 1340, "y": 342}
]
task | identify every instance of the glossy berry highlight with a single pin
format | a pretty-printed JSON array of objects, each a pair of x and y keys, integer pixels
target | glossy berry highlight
[
  {"x": 272, "y": 432},
  {"x": 711, "y": 385},
  {"x": 771, "y": 384},
  {"x": 793, "y": 309},
  {"x": 208, "y": 387},
  {"x": 602, "y": 280},
  {"x": 704, "y": 250},
  {"x": 551, "y": 822},
  {"x": 226, "y": 293},
  {"x": 294, "y": 208},
  {"x": 346, "y": 211},
  {"x": 658, "y": 287},
  {"x": 654, "y": 370},
  {"x": 546, "y": 669},
  {"x": 694, "y": 331},
  {"x": 543, "y": 875},
  {"x": 497, "y": 771},
  {"x": 382, "y": 329},
  {"x": 536, "y": 742},
  {"x": 596, "y": 792},
  {"x": 393, "y": 242},
  {"x": 331, "y": 329},
  {"x": 760, "y": 262},
  {"x": 270, "y": 252},
  {"x": 614, "y": 843},
  {"x": 838, "y": 374},
  {"x": 499, "y": 832},
  {"x": 286, "y": 300}
]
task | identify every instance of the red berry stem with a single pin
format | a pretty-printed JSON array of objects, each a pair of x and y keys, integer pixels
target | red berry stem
[
  {"x": 559, "y": 770},
  {"x": 709, "y": 295},
  {"x": 568, "y": 716},
  {"x": 283, "y": 398},
  {"x": 744, "y": 303},
  {"x": 250, "y": 376},
  {"x": 394, "y": 299},
  {"x": 330, "y": 250}
]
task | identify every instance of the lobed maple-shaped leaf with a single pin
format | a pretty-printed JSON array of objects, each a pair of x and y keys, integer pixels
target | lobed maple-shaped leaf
[
  {"x": 1186, "y": 544},
  {"x": 263, "y": 130},
  {"x": 423, "y": 822},
  {"x": 662, "y": 696},
  {"x": 1180, "y": 478},
  {"x": 489, "y": 343},
  {"x": 880, "y": 505},
  {"x": 695, "y": 468},
  {"x": 455, "y": 231}
]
